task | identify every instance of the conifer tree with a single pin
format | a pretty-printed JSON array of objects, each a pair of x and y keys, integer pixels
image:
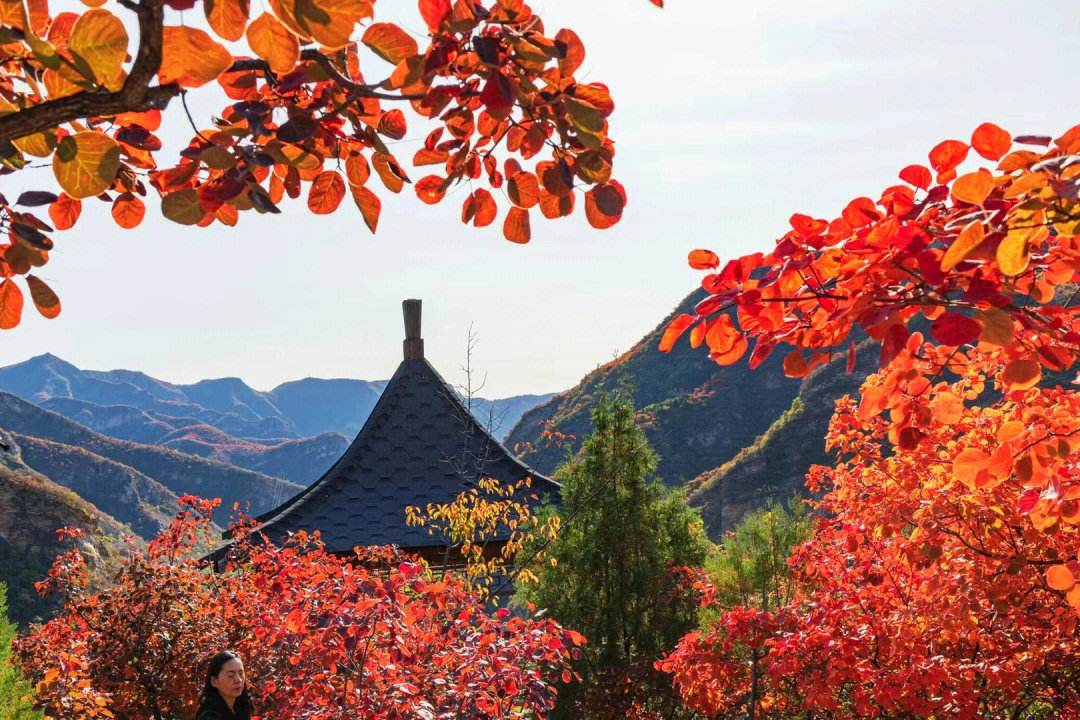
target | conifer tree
[
  {"x": 611, "y": 576},
  {"x": 13, "y": 687}
]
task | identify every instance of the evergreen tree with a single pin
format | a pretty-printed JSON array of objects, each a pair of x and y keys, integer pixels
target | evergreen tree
[
  {"x": 749, "y": 568},
  {"x": 610, "y": 577},
  {"x": 13, "y": 688}
]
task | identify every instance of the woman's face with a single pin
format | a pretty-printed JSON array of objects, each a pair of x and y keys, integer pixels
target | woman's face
[{"x": 230, "y": 681}]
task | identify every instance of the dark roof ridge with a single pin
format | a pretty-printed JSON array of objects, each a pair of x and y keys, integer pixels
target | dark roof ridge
[{"x": 366, "y": 471}]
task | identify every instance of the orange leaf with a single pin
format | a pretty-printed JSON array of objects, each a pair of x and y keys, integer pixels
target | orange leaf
[
  {"x": 973, "y": 187},
  {"x": 947, "y": 155},
  {"x": 917, "y": 175},
  {"x": 389, "y": 171},
  {"x": 947, "y": 408},
  {"x": 795, "y": 365},
  {"x": 968, "y": 464},
  {"x": 45, "y": 300},
  {"x": 968, "y": 239},
  {"x": 480, "y": 208},
  {"x": 524, "y": 189},
  {"x": 273, "y": 42},
  {"x": 674, "y": 330},
  {"x": 1059, "y": 577},
  {"x": 86, "y": 163},
  {"x": 604, "y": 204},
  {"x": 575, "y": 52},
  {"x": 11, "y": 304},
  {"x": 191, "y": 57},
  {"x": 326, "y": 192},
  {"x": 390, "y": 42},
  {"x": 227, "y": 17},
  {"x": 731, "y": 355},
  {"x": 555, "y": 206},
  {"x": 516, "y": 226},
  {"x": 703, "y": 259},
  {"x": 369, "y": 204},
  {"x": 357, "y": 170},
  {"x": 330, "y": 22},
  {"x": 1021, "y": 374},
  {"x": 128, "y": 210},
  {"x": 392, "y": 124},
  {"x": 991, "y": 141},
  {"x": 65, "y": 211},
  {"x": 431, "y": 189}
]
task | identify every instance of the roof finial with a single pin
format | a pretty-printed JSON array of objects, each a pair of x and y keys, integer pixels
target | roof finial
[{"x": 414, "y": 344}]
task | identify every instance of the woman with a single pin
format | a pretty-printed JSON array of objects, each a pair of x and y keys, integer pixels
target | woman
[{"x": 225, "y": 695}]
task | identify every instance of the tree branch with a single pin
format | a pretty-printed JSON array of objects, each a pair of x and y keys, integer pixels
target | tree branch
[{"x": 135, "y": 95}]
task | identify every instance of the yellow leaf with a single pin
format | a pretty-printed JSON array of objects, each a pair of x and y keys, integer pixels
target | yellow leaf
[
  {"x": 1014, "y": 252},
  {"x": 99, "y": 39},
  {"x": 273, "y": 42},
  {"x": 85, "y": 164},
  {"x": 227, "y": 17},
  {"x": 191, "y": 57},
  {"x": 329, "y": 22},
  {"x": 968, "y": 239}
]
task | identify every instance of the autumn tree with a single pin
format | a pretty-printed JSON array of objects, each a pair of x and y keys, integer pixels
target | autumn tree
[
  {"x": 14, "y": 689},
  {"x": 503, "y": 109},
  {"x": 941, "y": 577},
  {"x": 611, "y": 574},
  {"x": 322, "y": 636}
]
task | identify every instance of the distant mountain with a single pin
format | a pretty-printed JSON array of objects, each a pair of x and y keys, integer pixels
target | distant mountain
[
  {"x": 179, "y": 472},
  {"x": 32, "y": 509},
  {"x": 695, "y": 413},
  {"x": 114, "y": 488},
  {"x": 302, "y": 461},
  {"x": 131, "y": 405}
]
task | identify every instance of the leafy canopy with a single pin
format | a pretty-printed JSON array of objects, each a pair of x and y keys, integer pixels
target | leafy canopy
[
  {"x": 941, "y": 579},
  {"x": 308, "y": 112}
]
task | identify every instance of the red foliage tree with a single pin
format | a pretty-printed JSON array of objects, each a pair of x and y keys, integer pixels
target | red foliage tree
[
  {"x": 941, "y": 580},
  {"x": 323, "y": 637},
  {"x": 500, "y": 91}
]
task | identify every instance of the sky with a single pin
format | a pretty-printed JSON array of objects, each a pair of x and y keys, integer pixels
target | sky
[{"x": 730, "y": 116}]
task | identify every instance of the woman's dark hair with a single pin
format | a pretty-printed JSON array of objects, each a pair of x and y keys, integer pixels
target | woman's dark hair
[{"x": 242, "y": 709}]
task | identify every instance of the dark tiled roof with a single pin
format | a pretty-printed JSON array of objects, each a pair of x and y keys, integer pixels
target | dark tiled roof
[{"x": 420, "y": 445}]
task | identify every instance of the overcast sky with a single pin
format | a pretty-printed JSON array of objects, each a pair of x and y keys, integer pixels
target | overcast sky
[{"x": 729, "y": 117}]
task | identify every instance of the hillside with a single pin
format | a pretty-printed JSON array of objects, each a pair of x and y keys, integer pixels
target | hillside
[
  {"x": 178, "y": 472},
  {"x": 695, "y": 413},
  {"x": 302, "y": 461},
  {"x": 116, "y": 489},
  {"x": 774, "y": 466},
  {"x": 32, "y": 508}
]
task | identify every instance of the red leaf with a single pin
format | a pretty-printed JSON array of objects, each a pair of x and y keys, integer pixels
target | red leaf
[
  {"x": 431, "y": 189},
  {"x": 516, "y": 226},
  {"x": 498, "y": 96},
  {"x": 991, "y": 141},
  {"x": 955, "y": 329},
  {"x": 480, "y": 208},
  {"x": 11, "y": 304},
  {"x": 917, "y": 175},
  {"x": 434, "y": 12},
  {"x": 326, "y": 192},
  {"x": 947, "y": 154}
]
